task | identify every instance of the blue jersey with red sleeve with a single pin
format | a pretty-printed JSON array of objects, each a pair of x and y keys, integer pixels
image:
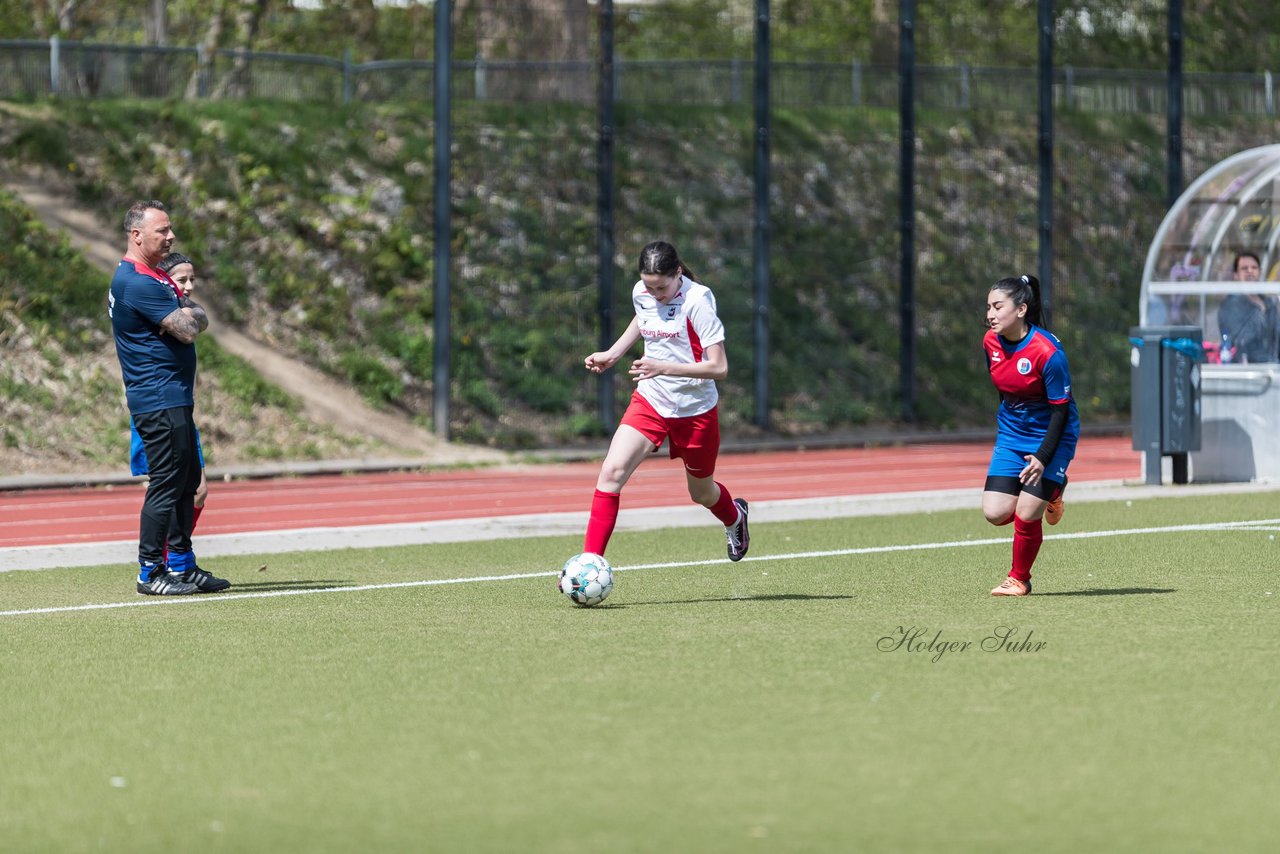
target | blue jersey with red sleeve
[
  {"x": 159, "y": 370},
  {"x": 1030, "y": 375}
]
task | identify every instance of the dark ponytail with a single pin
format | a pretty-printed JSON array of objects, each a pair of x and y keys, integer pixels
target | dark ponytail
[
  {"x": 1023, "y": 290},
  {"x": 660, "y": 258}
]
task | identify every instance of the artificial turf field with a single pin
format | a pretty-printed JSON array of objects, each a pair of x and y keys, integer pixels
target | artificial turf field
[{"x": 1133, "y": 703}]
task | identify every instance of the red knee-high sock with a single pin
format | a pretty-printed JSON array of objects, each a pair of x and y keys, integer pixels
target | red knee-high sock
[
  {"x": 724, "y": 509},
  {"x": 1027, "y": 536},
  {"x": 604, "y": 515}
]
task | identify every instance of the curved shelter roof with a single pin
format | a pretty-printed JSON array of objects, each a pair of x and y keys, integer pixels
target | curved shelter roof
[{"x": 1233, "y": 207}]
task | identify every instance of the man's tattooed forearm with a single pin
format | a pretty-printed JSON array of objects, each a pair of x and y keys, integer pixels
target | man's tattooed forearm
[
  {"x": 182, "y": 324},
  {"x": 198, "y": 312}
]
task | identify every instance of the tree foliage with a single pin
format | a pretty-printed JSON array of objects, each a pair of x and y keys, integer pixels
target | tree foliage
[{"x": 1235, "y": 36}]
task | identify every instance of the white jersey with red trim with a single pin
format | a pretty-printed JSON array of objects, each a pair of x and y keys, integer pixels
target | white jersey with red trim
[{"x": 679, "y": 330}]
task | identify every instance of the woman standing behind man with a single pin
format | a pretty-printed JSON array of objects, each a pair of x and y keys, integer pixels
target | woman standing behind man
[
  {"x": 1037, "y": 425},
  {"x": 676, "y": 399},
  {"x": 182, "y": 273}
]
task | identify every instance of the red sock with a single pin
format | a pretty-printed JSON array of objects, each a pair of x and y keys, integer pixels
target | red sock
[
  {"x": 604, "y": 515},
  {"x": 1027, "y": 536},
  {"x": 724, "y": 509}
]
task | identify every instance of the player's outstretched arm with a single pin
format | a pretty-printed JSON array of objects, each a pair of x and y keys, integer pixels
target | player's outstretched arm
[{"x": 603, "y": 360}]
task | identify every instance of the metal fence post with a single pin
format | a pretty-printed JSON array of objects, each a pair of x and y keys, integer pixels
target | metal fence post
[
  {"x": 856, "y": 82},
  {"x": 761, "y": 230},
  {"x": 604, "y": 212},
  {"x": 55, "y": 64},
  {"x": 441, "y": 375},
  {"x": 347, "y": 72},
  {"x": 907, "y": 207},
  {"x": 1046, "y": 160},
  {"x": 202, "y": 71},
  {"x": 1175, "y": 102},
  {"x": 482, "y": 79},
  {"x": 1268, "y": 86}
]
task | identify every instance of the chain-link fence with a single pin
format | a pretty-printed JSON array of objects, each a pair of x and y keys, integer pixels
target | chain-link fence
[{"x": 34, "y": 69}]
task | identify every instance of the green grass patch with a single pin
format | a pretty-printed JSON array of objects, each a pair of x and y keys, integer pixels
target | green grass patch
[
  {"x": 760, "y": 706},
  {"x": 240, "y": 380}
]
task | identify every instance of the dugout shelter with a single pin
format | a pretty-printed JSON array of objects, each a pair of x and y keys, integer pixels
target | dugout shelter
[{"x": 1233, "y": 207}]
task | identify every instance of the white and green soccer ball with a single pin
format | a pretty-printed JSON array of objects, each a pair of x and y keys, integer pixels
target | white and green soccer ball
[{"x": 587, "y": 579}]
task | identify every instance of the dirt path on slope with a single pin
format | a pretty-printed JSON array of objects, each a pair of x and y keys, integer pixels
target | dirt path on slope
[{"x": 324, "y": 400}]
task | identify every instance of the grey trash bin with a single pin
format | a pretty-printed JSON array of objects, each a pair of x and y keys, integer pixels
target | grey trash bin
[{"x": 1165, "y": 403}]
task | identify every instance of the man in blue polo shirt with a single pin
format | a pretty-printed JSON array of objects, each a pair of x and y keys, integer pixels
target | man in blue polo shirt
[{"x": 155, "y": 330}]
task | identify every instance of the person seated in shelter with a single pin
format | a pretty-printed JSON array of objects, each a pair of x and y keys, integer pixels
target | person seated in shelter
[
  {"x": 1250, "y": 323},
  {"x": 1170, "y": 308}
]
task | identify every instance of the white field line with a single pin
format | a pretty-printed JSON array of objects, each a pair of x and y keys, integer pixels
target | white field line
[
  {"x": 1258, "y": 524},
  {"x": 41, "y": 557}
]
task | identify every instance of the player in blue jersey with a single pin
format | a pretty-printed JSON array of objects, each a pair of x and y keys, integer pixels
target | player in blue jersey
[
  {"x": 155, "y": 331},
  {"x": 1037, "y": 425},
  {"x": 182, "y": 271}
]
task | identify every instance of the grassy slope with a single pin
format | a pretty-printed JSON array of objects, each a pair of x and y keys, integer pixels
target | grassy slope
[
  {"x": 61, "y": 402},
  {"x": 315, "y": 225},
  {"x": 702, "y": 708}
]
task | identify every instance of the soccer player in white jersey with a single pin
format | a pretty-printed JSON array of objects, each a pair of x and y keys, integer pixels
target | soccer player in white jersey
[{"x": 675, "y": 399}]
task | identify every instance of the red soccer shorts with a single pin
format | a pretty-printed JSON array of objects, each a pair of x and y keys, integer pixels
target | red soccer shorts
[{"x": 695, "y": 439}]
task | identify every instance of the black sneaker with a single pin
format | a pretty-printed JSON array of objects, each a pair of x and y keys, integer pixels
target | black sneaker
[
  {"x": 737, "y": 535},
  {"x": 163, "y": 583},
  {"x": 203, "y": 581}
]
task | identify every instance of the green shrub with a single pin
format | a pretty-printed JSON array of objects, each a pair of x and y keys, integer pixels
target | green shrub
[{"x": 376, "y": 381}]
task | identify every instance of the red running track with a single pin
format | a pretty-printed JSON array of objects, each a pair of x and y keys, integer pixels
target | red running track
[{"x": 87, "y": 515}]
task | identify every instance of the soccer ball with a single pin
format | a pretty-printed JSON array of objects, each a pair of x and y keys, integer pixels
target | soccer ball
[{"x": 587, "y": 579}]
